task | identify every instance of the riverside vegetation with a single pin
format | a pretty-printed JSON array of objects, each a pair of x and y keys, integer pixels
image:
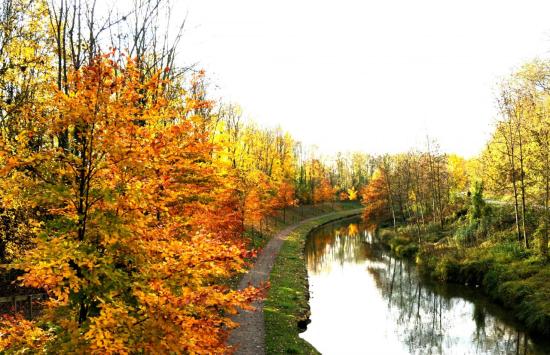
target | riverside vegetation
[
  {"x": 483, "y": 221},
  {"x": 498, "y": 244},
  {"x": 129, "y": 196},
  {"x": 510, "y": 275}
]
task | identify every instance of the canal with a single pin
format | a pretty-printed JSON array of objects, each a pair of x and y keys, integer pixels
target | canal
[{"x": 364, "y": 301}]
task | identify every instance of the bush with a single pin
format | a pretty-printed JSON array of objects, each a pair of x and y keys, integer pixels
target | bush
[
  {"x": 433, "y": 228},
  {"x": 406, "y": 250},
  {"x": 466, "y": 234},
  {"x": 509, "y": 250},
  {"x": 447, "y": 269}
]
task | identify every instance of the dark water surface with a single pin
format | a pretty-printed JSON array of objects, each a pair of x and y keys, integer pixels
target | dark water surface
[{"x": 364, "y": 301}]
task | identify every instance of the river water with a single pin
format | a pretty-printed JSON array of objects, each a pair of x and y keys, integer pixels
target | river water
[{"x": 364, "y": 301}]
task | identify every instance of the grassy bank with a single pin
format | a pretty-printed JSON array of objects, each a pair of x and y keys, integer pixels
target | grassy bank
[
  {"x": 258, "y": 235},
  {"x": 286, "y": 308},
  {"x": 261, "y": 233},
  {"x": 516, "y": 278}
]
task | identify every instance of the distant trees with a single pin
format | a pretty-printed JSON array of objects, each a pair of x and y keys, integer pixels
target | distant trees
[
  {"x": 430, "y": 187},
  {"x": 416, "y": 186},
  {"x": 274, "y": 171}
]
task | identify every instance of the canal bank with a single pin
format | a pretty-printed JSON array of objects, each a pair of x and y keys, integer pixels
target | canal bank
[
  {"x": 286, "y": 308},
  {"x": 514, "y": 278},
  {"x": 364, "y": 299}
]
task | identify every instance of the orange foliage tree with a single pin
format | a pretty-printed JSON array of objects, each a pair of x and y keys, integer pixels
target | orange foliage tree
[
  {"x": 325, "y": 192},
  {"x": 121, "y": 248},
  {"x": 343, "y": 196},
  {"x": 286, "y": 197},
  {"x": 375, "y": 199}
]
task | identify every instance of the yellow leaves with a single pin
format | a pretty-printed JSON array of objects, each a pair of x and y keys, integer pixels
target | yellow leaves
[
  {"x": 140, "y": 224},
  {"x": 18, "y": 333},
  {"x": 352, "y": 194},
  {"x": 457, "y": 167},
  {"x": 110, "y": 332}
]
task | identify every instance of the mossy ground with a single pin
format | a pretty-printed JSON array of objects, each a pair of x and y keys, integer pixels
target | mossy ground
[{"x": 287, "y": 305}]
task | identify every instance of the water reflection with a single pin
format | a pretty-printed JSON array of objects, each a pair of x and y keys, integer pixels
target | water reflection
[{"x": 365, "y": 301}]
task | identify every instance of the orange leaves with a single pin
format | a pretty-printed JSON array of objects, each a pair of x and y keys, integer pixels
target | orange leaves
[
  {"x": 18, "y": 333},
  {"x": 343, "y": 196},
  {"x": 375, "y": 199},
  {"x": 134, "y": 243},
  {"x": 110, "y": 332},
  {"x": 325, "y": 192},
  {"x": 286, "y": 195},
  {"x": 200, "y": 327}
]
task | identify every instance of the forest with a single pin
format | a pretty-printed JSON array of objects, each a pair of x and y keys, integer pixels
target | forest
[
  {"x": 129, "y": 195},
  {"x": 125, "y": 190}
]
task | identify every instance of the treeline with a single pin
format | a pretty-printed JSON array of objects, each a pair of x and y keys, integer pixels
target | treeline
[
  {"x": 511, "y": 176},
  {"x": 125, "y": 189},
  {"x": 275, "y": 171},
  {"x": 417, "y": 187}
]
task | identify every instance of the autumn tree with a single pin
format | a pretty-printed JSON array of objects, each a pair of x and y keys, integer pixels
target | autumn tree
[
  {"x": 24, "y": 76},
  {"x": 352, "y": 194},
  {"x": 122, "y": 253},
  {"x": 286, "y": 197},
  {"x": 376, "y": 200}
]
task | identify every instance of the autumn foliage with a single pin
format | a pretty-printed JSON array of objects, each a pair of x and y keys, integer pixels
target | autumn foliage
[
  {"x": 121, "y": 250},
  {"x": 125, "y": 191},
  {"x": 375, "y": 199}
]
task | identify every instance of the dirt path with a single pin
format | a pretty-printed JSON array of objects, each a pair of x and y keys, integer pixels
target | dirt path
[{"x": 249, "y": 337}]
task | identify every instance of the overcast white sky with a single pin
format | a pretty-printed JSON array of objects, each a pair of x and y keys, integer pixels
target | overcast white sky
[{"x": 375, "y": 76}]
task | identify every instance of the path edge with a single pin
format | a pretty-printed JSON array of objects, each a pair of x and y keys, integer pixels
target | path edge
[{"x": 286, "y": 308}]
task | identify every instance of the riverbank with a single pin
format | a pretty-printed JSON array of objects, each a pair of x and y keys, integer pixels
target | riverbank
[
  {"x": 509, "y": 275},
  {"x": 249, "y": 337},
  {"x": 258, "y": 235},
  {"x": 286, "y": 307}
]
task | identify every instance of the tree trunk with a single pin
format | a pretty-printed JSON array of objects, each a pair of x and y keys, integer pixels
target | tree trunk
[{"x": 522, "y": 186}]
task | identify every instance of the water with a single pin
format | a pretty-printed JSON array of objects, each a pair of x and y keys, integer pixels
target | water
[{"x": 364, "y": 301}]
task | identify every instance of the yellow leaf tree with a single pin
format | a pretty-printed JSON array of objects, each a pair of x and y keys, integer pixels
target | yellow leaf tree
[{"x": 121, "y": 250}]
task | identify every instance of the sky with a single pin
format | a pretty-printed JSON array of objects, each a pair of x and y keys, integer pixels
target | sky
[{"x": 372, "y": 76}]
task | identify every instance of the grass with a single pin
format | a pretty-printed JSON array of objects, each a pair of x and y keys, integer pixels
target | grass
[
  {"x": 286, "y": 308},
  {"x": 511, "y": 276},
  {"x": 261, "y": 233},
  {"x": 258, "y": 235}
]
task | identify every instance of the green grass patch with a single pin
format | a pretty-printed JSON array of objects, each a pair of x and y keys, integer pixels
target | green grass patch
[
  {"x": 286, "y": 307},
  {"x": 499, "y": 266}
]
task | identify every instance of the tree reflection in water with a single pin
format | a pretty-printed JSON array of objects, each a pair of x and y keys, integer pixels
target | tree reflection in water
[{"x": 423, "y": 317}]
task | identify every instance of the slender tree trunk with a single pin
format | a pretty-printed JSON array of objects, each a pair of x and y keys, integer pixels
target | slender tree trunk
[
  {"x": 522, "y": 186},
  {"x": 509, "y": 140},
  {"x": 544, "y": 241},
  {"x": 390, "y": 198}
]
